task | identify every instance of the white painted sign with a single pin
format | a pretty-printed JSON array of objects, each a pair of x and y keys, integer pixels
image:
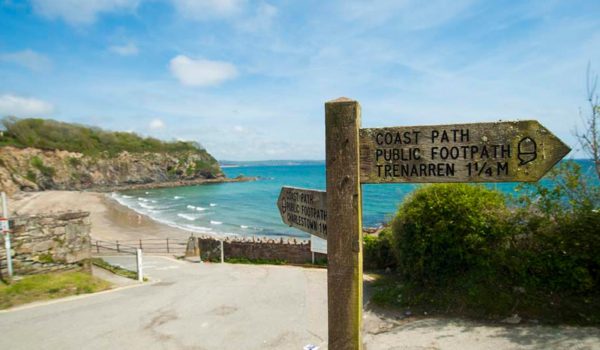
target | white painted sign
[
  {"x": 318, "y": 245},
  {"x": 4, "y": 225}
]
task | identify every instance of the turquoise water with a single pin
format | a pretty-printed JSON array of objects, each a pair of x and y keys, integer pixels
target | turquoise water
[{"x": 249, "y": 208}]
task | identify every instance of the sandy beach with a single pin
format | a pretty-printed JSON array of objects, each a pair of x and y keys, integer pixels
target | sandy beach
[{"x": 110, "y": 220}]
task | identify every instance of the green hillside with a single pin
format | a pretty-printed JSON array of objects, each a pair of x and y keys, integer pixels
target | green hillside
[{"x": 50, "y": 135}]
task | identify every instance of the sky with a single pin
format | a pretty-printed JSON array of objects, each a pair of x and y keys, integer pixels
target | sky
[{"x": 248, "y": 79}]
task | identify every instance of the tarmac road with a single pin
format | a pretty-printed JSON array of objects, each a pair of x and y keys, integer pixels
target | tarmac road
[
  {"x": 193, "y": 306},
  {"x": 227, "y": 306}
]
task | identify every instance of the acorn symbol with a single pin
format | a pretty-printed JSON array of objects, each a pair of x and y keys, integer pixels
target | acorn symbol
[{"x": 527, "y": 150}]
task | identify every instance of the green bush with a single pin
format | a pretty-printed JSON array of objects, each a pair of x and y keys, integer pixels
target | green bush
[
  {"x": 51, "y": 134},
  {"x": 377, "y": 250},
  {"x": 31, "y": 176},
  {"x": 461, "y": 250},
  {"x": 74, "y": 162},
  {"x": 38, "y": 163},
  {"x": 555, "y": 235},
  {"x": 444, "y": 231}
]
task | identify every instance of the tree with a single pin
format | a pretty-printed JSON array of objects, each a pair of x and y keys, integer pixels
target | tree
[{"x": 590, "y": 137}]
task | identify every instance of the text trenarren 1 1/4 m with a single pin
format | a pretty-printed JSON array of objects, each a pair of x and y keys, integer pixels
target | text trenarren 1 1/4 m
[{"x": 519, "y": 151}]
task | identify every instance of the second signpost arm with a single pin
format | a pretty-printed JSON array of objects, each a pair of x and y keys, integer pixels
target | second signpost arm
[{"x": 344, "y": 224}]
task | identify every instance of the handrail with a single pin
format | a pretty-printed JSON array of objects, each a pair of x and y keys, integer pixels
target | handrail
[{"x": 150, "y": 245}]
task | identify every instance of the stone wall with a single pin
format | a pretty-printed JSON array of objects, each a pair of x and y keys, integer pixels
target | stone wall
[
  {"x": 290, "y": 250},
  {"x": 48, "y": 242}
]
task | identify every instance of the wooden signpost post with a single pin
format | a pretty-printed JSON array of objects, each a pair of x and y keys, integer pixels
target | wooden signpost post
[{"x": 521, "y": 151}]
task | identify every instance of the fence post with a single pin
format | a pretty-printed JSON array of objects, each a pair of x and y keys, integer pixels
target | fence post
[
  {"x": 9, "y": 264},
  {"x": 118, "y": 247},
  {"x": 97, "y": 248},
  {"x": 167, "y": 245},
  {"x": 197, "y": 248},
  {"x": 222, "y": 253},
  {"x": 140, "y": 266},
  {"x": 140, "y": 244}
]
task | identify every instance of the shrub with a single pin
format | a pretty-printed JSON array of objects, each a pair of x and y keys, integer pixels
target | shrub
[
  {"x": 74, "y": 162},
  {"x": 38, "y": 163},
  {"x": 31, "y": 176},
  {"x": 555, "y": 233},
  {"x": 461, "y": 250},
  {"x": 377, "y": 250},
  {"x": 444, "y": 231},
  {"x": 51, "y": 134}
]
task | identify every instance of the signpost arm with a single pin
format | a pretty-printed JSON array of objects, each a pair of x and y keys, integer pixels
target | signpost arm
[{"x": 344, "y": 226}]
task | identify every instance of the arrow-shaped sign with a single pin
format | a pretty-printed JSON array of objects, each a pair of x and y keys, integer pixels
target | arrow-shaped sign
[
  {"x": 304, "y": 209},
  {"x": 519, "y": 151}
]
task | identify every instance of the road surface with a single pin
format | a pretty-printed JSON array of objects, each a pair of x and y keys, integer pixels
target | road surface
[{"x": 226, "y": 306}]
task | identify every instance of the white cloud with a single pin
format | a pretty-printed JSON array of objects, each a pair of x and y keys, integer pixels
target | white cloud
[
  {"x": 208, "y": 9},
  {"x": 28, "y": 59},
  {"x": 409, "y": 14},
  {"x": 80, "y": 12},
  {"x": 156, "y": 124},
  {"x": 23, "y": 106},
  {"x": 129, "y": 49},
  {"x": 201, "y": 72},
  {"x": 262, "y": 20}
]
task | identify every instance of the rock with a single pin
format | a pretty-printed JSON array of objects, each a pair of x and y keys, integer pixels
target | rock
[
  {"x": 514, "y": 319},
  {"x": 407, "y": 313},
  {"x": 64, "y": 170},
  {"x": 73, "y": 215}
]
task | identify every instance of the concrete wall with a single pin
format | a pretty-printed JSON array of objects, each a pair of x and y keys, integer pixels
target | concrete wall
[
  {"x": 292, "y": 251},
  {"x": 48, "y": 242}
]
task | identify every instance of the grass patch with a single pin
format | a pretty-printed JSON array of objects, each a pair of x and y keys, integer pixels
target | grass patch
[
  {"x": 46, "y": 258},
  {"x": 49, "y": 286},
  {"x": 117, "y": 270}
]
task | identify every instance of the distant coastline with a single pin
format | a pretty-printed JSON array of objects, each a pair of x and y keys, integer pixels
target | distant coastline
[
  {"x": 238, "y": 164},
  {"x": 169, "y": 184}
]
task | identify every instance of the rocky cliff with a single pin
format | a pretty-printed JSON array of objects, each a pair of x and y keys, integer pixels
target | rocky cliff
[
  {"x": 32, "y": 169},
  {"x": 44, "y": 154}
]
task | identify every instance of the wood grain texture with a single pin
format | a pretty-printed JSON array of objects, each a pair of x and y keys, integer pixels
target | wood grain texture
[
  {"x": 304, "y": 209},
  {"x": 521, "y": 151},
  {"x": 344, "y": 243}
]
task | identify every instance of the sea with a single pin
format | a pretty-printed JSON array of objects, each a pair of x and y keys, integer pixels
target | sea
[{"x": 250, "y": 209}]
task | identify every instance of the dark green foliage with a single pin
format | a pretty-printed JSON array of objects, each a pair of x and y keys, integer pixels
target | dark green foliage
[
  {"x": 557, "y": 231},
  {"x": 37, "y": 163},
  {"x": 74, "y": 162},
  {"x": 31, "y": 176},
  {"x": 444, "y": 231},
  {"x": 460, "y": 250},
  {"x": 50, "y": 134},
  {"x": 377, "y": 250},
  {"x": 202, "y": 165}
]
